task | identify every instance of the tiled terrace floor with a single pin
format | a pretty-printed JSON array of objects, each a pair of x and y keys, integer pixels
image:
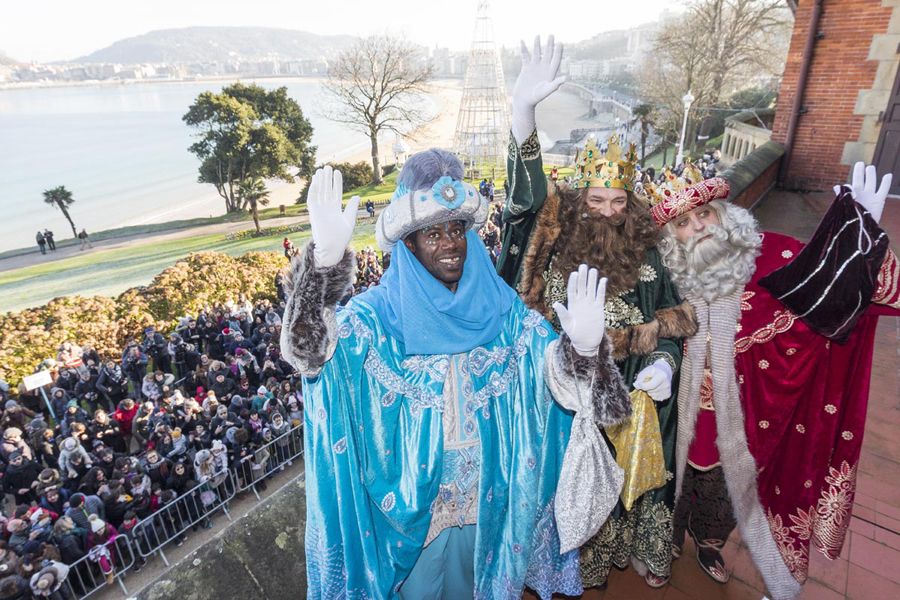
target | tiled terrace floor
[{"x": 869, "y": 566}]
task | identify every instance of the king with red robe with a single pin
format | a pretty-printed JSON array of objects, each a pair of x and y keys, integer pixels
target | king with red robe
[{"x": 775, "y": 384}]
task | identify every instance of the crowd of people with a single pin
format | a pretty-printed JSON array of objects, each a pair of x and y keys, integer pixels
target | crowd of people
[{"x": 124, "y": 436}]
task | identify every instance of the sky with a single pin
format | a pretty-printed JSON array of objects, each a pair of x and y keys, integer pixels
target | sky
[{"x": 52, "y": 30}]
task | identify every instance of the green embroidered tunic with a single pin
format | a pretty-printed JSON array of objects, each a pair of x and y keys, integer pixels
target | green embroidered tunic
[{"x": 646, "y": 531}]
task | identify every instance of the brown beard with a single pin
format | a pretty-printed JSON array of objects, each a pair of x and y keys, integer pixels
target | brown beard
[{"x": 616, "y": 246}]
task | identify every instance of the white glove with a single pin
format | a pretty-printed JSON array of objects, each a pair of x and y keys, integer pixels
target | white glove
[
  {"x": 863, "y": 189},
  {"x": 537, "y": 80},
  {"x": 331, "y": 227},
  {"x": 656, "y": 380},
  {"x": 584, "y": 321}
]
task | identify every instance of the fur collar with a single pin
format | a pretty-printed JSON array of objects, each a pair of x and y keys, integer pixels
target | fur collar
[{"x": 675, "y": 322}]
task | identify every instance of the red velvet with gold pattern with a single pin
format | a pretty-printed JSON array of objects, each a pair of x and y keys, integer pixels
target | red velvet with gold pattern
[
  {"x": 804, "y": 401},
  {"x": 686, "y": 200}
]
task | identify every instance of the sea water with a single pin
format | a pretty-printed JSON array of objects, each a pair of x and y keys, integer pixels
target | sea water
[{"x": 122, "y": 151}]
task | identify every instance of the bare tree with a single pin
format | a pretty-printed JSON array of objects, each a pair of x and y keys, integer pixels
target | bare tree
[
  {"x": 715, "y": 49},
  {"x": 376, "y": 86}
]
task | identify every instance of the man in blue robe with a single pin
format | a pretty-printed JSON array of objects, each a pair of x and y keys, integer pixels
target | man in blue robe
[{"x": 451, "y": 446}]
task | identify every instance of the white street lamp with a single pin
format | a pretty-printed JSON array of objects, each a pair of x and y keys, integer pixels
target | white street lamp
[{"x": 688, "y": 100}]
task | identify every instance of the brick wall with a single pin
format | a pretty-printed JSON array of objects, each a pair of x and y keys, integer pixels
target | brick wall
[{"x": 839, "y": 71}]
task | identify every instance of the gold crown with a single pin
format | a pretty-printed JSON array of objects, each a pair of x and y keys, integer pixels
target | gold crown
[
  {"x": 671, "y": 184},
  {"x": 612, "y": 170},
  {"x": 691, "y": 172}
]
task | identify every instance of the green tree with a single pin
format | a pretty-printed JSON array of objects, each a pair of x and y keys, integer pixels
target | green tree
[
  {"x": 62, "y": 199},
  {"x": 246, "y": 132},
  {"x": 253, "y": 194},
  {"x": 643, "y": 114}
]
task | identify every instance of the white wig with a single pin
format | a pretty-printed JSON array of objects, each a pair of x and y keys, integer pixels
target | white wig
[{"x": 716, "y": 267}]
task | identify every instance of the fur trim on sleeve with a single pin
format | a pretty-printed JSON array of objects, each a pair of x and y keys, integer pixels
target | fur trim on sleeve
[
  {"x": 308, "y": 336},
  {"x": 575, "y": 380},
  {"x": 676, "y": 322}
]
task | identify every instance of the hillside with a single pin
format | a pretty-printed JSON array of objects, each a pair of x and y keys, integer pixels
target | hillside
[{"x": 218, "y": 44}]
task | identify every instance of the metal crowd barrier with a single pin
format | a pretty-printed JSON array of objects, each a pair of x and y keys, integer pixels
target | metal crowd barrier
[
  {"x": 85, "y": 576},
  {"x": 170, "y": 522},
  {"x": 286, "y": 448}
]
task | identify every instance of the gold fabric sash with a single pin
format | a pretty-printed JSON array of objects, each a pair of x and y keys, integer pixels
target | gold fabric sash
[{"x": 639, "y": 449}]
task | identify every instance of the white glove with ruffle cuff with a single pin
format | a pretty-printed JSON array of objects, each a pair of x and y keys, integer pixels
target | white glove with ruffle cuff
[{"x": 656, "y": 380}]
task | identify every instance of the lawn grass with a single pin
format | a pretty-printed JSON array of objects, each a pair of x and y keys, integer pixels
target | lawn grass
[{"x": 113, "y": 271}]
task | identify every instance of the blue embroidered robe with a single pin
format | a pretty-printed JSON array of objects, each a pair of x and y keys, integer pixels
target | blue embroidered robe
[{"x": 374, "y": 453}]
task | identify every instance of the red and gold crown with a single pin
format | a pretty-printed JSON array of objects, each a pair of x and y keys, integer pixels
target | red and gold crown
[
  {"x": 615, "y": 169},
  {"x": 673, "y": 204},
  {"x": 691, "y": 173}
]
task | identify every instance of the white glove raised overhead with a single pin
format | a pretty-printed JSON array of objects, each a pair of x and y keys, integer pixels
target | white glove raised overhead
[
  {"x": 656, "y": 380},
  {"x": 537, "y": 80},
  {"x": 863, "y": 189},
  {"x": 584, "y": 320},
  {"x": 331, "y": 227}
]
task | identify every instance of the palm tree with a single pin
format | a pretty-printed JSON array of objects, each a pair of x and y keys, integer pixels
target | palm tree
[
  {"x": 62, "y": 199},
  {"x": 253, "y": 192},
  {"x": 643, "y": 114}
]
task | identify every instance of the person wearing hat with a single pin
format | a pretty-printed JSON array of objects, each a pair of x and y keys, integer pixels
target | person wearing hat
[
  {"x": 417, "y": 381},
  {"x": 15, "y": 415},
  {"x": 13, "y": 442},
  {"x": 70, "y": 448},
  {"x": 777, "y": 375},
  {"x": 99, "y": 546},
  {"x": 82, "y": 507},
  {"x": 259, "y": 400},
  {"x": 47, "y": 582},
  {"x": 21, "y": 477},
  {"x": 156, "y": 347},
  {"x": 73, "y": 415}
]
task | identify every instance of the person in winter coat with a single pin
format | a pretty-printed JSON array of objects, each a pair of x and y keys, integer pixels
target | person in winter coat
[
  {"x": 12, "y": 442},
  {"x": 18, "y": 531},
  {"x": 116, "y": 504},
  {"x": 20, "y": 478},
  {"x": 86, "y": 390},
  {"x": 74, "y": 414},
  {"x": 112, "y": 383},
  {"x": 48, "y": 582},
  {"x": 179, "y": 445},
  {"x": 55, "y": 499},
  {"x": 70, "y": 539},
  {"x": 155, "y": 385},
  {"x": 93, "y": 482},
  {"x": 15, "y": 415},
  {"x": 82, "y": 507},
  {"x": 182, "y": 472},
  {"x": 222, "y": 421},
  {"x": 106, "y": 430},
  {"x": 15, "y": 587},
  {"x": 157, "y": 468},
  {"x": 45, "y": 451},
  {"x": 124, "y": 415},
  {"x": 283, "y": 443},
  {"x": 70, "y": 448},
  {"x": 99, "y": 548}
]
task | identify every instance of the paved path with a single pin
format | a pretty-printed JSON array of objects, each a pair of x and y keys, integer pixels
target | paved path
[{"x": 130, "y": 241}]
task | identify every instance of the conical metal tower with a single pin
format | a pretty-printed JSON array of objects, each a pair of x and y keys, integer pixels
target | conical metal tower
[{"x": 482, "y": 128}]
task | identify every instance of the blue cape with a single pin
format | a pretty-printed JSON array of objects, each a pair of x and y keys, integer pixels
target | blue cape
[{"x": 428, "y": 318}]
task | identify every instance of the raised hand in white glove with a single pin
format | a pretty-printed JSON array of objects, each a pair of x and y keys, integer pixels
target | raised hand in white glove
[
  {"x": 863, "y": 189},
  {"x": 584, "y": 320},
  {"x": 331, "y": 227},
  {"x": 656, "y": 380},
  {"x": 537, "y": 80}
]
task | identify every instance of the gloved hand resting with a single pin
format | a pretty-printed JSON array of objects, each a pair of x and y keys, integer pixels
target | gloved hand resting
[
  {"x": 656, "y": 380},
  {"x": 331, "y": 227},
  {"x": 584, "y": 320},
  {"x": 863, "y": 189},
  {"x": 537, "y": 80}
]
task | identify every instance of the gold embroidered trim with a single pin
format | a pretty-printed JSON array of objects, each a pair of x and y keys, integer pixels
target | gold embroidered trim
[
  {"x": 888, "y": 282},
  {"x": 782, "y": 323}
]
